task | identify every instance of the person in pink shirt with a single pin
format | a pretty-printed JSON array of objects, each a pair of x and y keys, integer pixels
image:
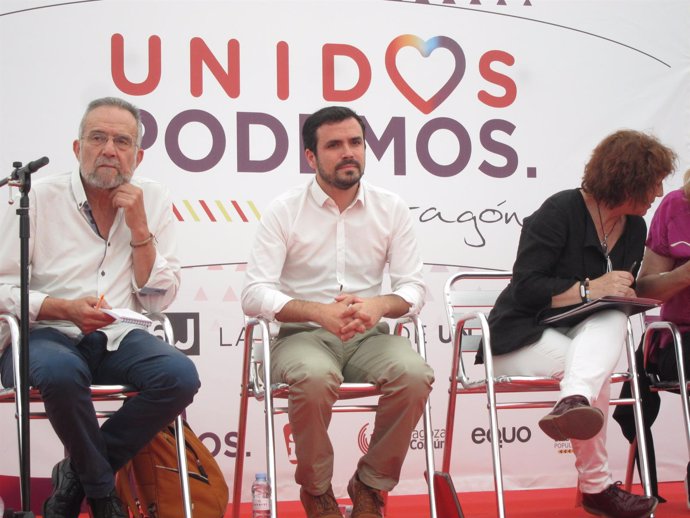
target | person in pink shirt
[{"x": 664, "y": 275}]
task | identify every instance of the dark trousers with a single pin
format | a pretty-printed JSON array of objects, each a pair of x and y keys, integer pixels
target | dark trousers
[
  {"x": 665, "y": 366},
  {"x": 62, "y": 368}
]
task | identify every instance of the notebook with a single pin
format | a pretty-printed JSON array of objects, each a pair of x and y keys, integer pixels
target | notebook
[
  {"x": 629, "y": 305},
  {"x": 128, "y": 316}
]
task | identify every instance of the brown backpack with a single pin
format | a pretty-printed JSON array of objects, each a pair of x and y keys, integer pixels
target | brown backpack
[{"x": 149, "y": 484}]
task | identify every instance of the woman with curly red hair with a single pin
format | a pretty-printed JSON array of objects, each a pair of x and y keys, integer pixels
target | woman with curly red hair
[{"x": 582, "y": 244}]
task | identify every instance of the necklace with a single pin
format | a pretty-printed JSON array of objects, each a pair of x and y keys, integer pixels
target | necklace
[{"x": 605, "y": 241}]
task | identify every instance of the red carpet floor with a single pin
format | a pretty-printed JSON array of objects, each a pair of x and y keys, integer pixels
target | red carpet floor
[{"x": 552, "y": 503}]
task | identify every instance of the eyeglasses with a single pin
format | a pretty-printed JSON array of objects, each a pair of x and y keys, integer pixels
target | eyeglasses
[{"x": 99, "y": 139}]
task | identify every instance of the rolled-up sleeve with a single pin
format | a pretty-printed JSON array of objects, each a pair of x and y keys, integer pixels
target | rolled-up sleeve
[
  {"x": 164, "y": 280},
  {"x": 261, "y": 295},
  {"x": 405, "y": 265}
]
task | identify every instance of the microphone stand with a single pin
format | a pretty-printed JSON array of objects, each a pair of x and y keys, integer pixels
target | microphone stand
[{"x": 21, "y": 177}]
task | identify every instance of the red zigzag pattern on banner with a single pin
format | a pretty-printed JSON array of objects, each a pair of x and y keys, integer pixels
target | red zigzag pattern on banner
[{"x": 215, "y": 211}]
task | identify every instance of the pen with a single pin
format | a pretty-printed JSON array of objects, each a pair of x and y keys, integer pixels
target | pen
[
  {"x": 632, "y": 268},
  {"x": 100, "y": 301}
]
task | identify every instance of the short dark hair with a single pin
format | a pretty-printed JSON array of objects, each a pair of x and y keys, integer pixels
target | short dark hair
[
  {"x": 627, "y": 165},
  {"x": 118, "y": 103},
  {"x": 327, "y": 115}
]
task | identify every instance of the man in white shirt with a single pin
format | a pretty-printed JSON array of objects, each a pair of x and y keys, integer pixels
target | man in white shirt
[
  {"x": 99, "y": 239},
  {"x": 317, "y": 266}
]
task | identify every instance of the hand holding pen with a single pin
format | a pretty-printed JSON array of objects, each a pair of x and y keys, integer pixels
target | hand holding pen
[{"x": 86, "y": 313}]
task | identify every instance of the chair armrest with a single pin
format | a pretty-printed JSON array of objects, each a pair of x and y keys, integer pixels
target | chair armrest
[
  {"x": 663, "y": 326},
  {"x": 417, "y": 336},
  {"x": 164, "y": 321},
  {"x": 12, "y": 323},
  {"x": 257, "y": 354}
]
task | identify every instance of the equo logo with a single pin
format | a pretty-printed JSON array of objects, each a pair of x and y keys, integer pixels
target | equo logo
[{"x": 520, "y": 434}]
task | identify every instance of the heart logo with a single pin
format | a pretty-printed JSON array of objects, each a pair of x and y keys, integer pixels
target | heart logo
[{"x": 425, "y": 48}]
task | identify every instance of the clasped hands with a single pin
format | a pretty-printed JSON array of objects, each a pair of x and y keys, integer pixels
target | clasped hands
[{"x": 349, "y": 315}]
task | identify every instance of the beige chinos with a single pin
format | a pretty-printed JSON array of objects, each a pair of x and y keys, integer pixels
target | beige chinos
[{"x": 314, "y": 363}]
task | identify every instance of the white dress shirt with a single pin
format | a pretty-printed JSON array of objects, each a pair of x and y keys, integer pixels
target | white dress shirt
[
  {"x": 306, "y": 249},
  {"x": 69, "y": 260}
]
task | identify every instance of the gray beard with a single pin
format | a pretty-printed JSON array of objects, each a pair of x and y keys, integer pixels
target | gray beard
[{"x": 102, "y": 182}]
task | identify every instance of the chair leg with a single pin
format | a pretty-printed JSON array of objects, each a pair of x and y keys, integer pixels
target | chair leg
[
  {"x": 687, "y": 486},
  {"x": 429, "y": 456},
  {"x": 269, "y": 414},
  {"x": 23, "y": 413},
  {"x": 450, "y": 424},
  {"x": 239, "y": 457},
  {"x": 182, "y": 467},
  {"x": 271, "y": 454},
  {"x": 241, "y": 434},
  {"x": 639, "y": 421},
  {"x": 683, "y": 386},
  {"x": 496, "y": 449}
]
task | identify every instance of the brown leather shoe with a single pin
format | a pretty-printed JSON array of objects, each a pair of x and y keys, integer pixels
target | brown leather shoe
[
  {"x": 572, "y": 418},
  {"x": 613, "y": 502},
  {"x": 367, "y": 502},
  {"x": 321, "y": 506}
]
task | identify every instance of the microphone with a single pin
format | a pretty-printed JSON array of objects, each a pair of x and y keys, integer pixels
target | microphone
[
  {"x": 32, "y": 167},
  {"x": 29, "y": 168}
]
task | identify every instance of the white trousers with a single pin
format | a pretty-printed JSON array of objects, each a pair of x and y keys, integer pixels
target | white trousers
[{"x": 583, "y": 358}]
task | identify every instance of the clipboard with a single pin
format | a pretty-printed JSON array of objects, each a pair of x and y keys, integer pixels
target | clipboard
[{"x": 628, "y": 305}]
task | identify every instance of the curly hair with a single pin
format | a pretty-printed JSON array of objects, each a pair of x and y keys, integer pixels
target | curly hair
[{"x": 627, "y": 165}]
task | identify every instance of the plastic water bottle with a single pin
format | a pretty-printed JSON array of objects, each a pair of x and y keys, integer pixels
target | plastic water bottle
[{"x": 261, "y": 503}]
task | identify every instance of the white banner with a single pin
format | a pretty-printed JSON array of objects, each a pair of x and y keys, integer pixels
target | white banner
[{"x": 476, "y": 112}]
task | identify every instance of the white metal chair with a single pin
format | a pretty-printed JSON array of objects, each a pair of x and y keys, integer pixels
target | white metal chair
[
  {"x": 99, "y": 393},
  {"x": 469, "y": 296},
  {"x": 680, "y": 386},
  {"x": 257, "y": 367}
]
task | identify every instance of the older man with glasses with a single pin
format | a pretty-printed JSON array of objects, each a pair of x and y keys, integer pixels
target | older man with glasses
[{"x": 100, "y": 238}]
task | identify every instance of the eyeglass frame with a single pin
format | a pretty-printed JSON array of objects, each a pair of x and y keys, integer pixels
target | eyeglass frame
[{"x": 122, "y": 142}]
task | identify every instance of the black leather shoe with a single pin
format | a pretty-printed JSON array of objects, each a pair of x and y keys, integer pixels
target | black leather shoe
[
  {"x": 108, "y": 507},
  {"x": 613, "y": 502},
  {"x": 572, "y": 418},
  {"x": 68, "y": 493}
]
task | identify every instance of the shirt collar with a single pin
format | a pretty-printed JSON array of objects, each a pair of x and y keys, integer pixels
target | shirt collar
[
  {"x": 321, "y": 197},
  {"x": 82, "y": 202},
  {"x": 78, "y": 191}
]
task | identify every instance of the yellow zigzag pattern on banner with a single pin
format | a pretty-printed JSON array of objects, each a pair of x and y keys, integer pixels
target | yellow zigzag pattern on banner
[{"x": 215, "y": 211}]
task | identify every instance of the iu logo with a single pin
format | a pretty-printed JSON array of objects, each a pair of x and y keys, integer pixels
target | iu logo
[{"x": 186, "y": 329}]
